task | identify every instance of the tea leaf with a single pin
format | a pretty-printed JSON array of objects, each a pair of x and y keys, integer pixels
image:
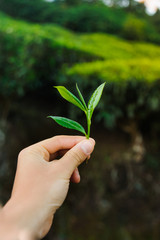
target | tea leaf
[
  {"x": 94, "y": 100},
  {"x": 70, "y": 97},
  {"x": 81, "y": 97},
  {"x": 68, "y": 123}
]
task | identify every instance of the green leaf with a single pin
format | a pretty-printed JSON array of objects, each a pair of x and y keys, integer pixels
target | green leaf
[
  {"x": 94, "y": 100},
  {"x": 68, "y": 123},
  {"x": 81, "y": 97},
  {"x": 70, "y": 97}
]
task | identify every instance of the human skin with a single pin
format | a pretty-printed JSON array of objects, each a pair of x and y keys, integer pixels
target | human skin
[{"x": 41, "y": 185}]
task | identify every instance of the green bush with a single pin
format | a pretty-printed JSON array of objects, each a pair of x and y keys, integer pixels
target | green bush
[
  {"x": 131, "y": 71},
  {"x": 86, "y": 17},
  {"x": 139, "y": 29},
  {"x": 120, "y": 71},
  {"x": 134, "y": 29},
  {"x": 82, "y": 18},
  {"x": 33, "y": 56},
  {"x": 30, "y": 10},
  {"x": 132, "y": 87}
]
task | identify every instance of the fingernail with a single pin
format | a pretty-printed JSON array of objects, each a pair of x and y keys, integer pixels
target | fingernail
[
  {"x": 91, "y": 139},
  {"x": 86, "y": 147}
]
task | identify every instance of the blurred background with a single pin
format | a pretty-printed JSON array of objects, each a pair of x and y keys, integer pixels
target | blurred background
[{"x": 64, "y": 42}]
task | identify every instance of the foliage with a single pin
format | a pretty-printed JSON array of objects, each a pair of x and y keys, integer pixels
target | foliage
[
  {"x": 80, "y": 103},
  {"x": 155, "y": 19},
  {"x": 22, "y": 8},
  {"x": 33, "y": 56},
  {"x": 132, "y": 74},
  {"x": 80, "y": 18},
  {"x": 30, "y": 54},
  {"x": 139, "y": 29},
  {"x": 119, "y": 71},
  {"x": 132, "y": 90},
  {"x": 87, "y": 17}
]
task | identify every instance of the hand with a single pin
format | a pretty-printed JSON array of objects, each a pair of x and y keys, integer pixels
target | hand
[{"x": 41, "y": 184}]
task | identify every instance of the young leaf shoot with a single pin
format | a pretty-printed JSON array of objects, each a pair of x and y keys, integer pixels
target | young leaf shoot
[{"x": 88, "y": 110}]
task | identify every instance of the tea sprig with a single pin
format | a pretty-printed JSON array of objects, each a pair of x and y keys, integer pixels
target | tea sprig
[{"x": 80, "y": 103}]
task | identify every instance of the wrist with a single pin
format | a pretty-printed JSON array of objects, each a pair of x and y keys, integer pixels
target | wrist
[{"x": 11, "y": 225}]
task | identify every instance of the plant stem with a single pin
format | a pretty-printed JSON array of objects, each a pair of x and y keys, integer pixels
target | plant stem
[{"x": 89, "y": 127}]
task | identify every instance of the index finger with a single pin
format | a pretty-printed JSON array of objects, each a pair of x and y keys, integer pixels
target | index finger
[
  {"x": 60, "y": 142},
  {"x": 48, "y": 147}
]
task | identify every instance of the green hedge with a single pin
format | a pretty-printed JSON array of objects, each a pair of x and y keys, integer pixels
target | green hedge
[
  {"x": 139, "y": 29},
  {"x": 120, "y": 71},
  {"x": 131, "y": 71},
  {"x": 33, "y": 56},
  {"x": 132, "y": 88},
  {"x": 86, "y": 18}
]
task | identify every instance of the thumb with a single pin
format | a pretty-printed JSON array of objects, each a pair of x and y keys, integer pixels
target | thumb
[{"x": 76, "y": 155}]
